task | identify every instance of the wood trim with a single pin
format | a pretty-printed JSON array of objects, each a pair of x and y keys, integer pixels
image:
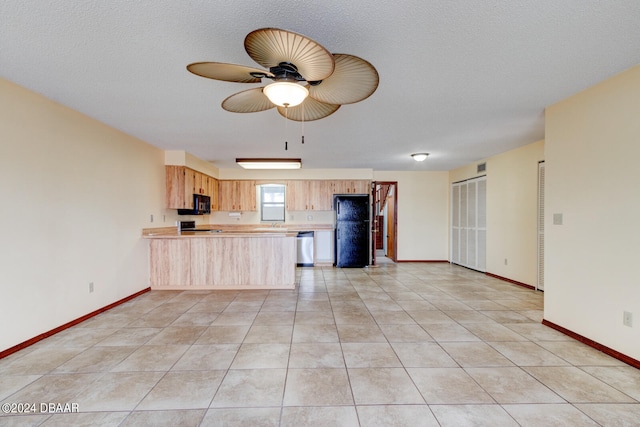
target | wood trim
[
  {"x": 394, "y": 258},
  {"x": 524, "y": 285},
  {"x": 67, "y": 325},
  {"x": 600, "y": 347},
  {"x": 423, "y": 260}
]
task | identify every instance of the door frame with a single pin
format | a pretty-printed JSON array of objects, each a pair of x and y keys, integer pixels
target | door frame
[
  {"x": 375, "y": 201},
  {"x": 540, "y": 227}
]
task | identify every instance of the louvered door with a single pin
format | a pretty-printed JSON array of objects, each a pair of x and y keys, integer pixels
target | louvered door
[
  {"x": 469, "y": 224},
  {"x": 540, "y": 281}
]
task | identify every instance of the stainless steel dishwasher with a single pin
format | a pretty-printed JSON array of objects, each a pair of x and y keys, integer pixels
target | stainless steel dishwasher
[{"x": 305, "y": 249}]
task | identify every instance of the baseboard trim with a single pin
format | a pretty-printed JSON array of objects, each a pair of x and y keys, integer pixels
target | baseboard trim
[
  {"x": 524, "y": 285},
  {"x": 591, "y": 343},
  {"x": 27, "y": 343},
  {"x": 423, "y": 260}
]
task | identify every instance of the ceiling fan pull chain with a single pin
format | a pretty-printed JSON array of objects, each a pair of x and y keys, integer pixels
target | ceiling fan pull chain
[
  {"x": 286, "y": 120},
  {"x": 303, "y": 122}
]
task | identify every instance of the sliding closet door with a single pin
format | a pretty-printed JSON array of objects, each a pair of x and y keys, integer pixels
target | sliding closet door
[
  {"x": 469, "y": 223},
  {"x": 455, "y": 224}
]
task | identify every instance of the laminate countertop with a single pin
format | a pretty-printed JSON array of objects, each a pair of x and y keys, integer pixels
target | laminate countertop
[{"x": 225, "y": 230}]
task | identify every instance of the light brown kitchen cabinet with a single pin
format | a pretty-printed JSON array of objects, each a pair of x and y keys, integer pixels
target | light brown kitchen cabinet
[
  {"x": 321, "y": 195},
  {"x": 247, "y": 196},
  {"x": 170, "y": 262},
  {"x": 297, "y": 195},
  {"x": 237, "y": 195},
  {"x": 352, "y": 187},
  {"x": 213, "y": 192},
  {"x": 317, "y": 195},
  {"x": 179, "y": 187},
  {"x": 309, "y": 195},
  {"x": 201, "y": 184},
  {"x": 226, "y": 195},
  {"x": 182, "y": 183}
]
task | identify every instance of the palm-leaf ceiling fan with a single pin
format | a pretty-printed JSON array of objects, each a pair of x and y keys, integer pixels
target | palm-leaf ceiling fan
[{"x": 298, "y": 65}]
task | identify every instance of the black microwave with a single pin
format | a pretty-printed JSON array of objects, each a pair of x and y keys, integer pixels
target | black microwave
[{"x": 201, "y": 206}]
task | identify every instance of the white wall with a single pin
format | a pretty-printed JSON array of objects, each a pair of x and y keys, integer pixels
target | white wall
[
  {"x": 512, "y": 213},
  {"x": 592, "y": 178},
  {"x": 182, "y": 158},
  {"x": 75, "y": 196},
  {"x": 423, "y": 214},
  {"x": 512, "y": 210}
]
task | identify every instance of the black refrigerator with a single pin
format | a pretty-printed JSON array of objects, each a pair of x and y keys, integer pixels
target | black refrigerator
[{"x": 352, "y": 230}]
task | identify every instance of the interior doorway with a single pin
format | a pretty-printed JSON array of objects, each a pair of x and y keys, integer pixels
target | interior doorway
[{"x": 384, "y": 241}]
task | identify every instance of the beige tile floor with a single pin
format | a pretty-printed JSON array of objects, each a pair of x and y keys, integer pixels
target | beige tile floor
[{"x": 393, "y": 345}]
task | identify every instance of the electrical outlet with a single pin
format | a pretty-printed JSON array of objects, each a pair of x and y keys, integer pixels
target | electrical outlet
[
  {"x": 164, "y": 218},
  {"x": 90, "y": 287},
  {"x": 151, "y": 218},
  {"x": 627, "y": 319},
  {"x": 505, "y": 262}
]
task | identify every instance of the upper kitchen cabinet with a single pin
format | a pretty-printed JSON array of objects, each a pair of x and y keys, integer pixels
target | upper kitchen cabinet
[
  {"x": 306, "y": 195},
  {"x": 321, "y": 195},
  {"x": 317, "y": 195},
  {"x": 352, "y": 187},
  {"x": 237, "y": 195},
  {"x": 201, "y": 184},
  {"x": 182, "y": 183},
  {"x": 297, "y": 195},
  {"x": 213, "y": 192}
]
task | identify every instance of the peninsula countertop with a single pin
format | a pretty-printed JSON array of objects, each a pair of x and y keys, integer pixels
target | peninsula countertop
[{"x": 233, "y": 230}]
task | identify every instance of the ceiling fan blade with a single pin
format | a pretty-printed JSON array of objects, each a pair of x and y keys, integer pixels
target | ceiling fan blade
[
  {"x": 271, "y": 46},
  {"x": 247, "y": 101},
  {"x": 308, "y": 111},
  {"x": 227, "y": 72},
  {"x": 353, "y": 80}
]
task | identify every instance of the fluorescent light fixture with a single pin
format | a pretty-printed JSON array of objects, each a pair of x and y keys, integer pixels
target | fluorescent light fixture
[
  {"x": 286, "y": 94},
  {"x": 419, "y": 157},
  {"x": 270, "y": 163}
]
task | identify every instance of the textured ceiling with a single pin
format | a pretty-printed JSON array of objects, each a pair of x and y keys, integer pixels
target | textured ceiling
[{"x": 462, "y": 80}]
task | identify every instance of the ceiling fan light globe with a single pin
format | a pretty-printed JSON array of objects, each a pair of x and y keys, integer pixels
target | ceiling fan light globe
[{"x": 286, "y": 94}]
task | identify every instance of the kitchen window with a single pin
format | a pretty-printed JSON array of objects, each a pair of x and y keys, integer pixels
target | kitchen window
[{"x": 272, "y": 203}]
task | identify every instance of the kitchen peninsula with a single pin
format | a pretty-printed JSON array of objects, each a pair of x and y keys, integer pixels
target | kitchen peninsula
[{"x": 257, "y": 258}]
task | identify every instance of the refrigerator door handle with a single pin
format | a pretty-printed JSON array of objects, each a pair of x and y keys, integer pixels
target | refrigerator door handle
[{"x": 338, "y": 208}]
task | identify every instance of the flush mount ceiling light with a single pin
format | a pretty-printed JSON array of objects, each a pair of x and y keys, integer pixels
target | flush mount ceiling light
[
  {"x": 270, "y": 163},
  {"x": 286, "y": 94},
  {"x": 419, "y": 157}
]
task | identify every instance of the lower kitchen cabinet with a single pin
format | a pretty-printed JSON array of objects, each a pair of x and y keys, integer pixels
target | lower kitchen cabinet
[
  {"x": 323, "y": 251},
  {"x": 224, "y": 261},
  {"x": 177, "y": 272}
]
